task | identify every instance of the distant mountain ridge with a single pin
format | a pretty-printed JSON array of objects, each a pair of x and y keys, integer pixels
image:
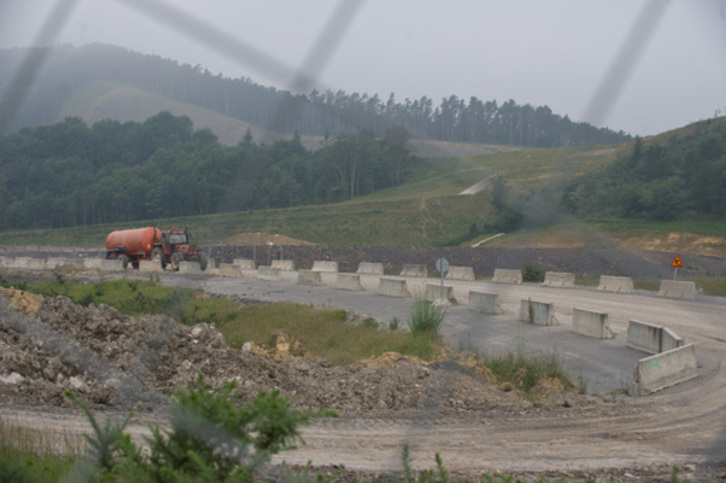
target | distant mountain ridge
[{"x": 103, "y": 81}]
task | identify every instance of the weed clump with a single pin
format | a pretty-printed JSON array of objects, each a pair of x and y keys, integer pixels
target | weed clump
[
  {"x": 533, "y": 273},
  {"x": 425, "y": 316},
  {"x": 524, "y": 373}
]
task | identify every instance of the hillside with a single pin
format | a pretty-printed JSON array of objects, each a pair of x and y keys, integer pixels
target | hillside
[
  {"x": 67, "y": 74},
  {"x": 97, "y": 101},
  {"x": 428, "y": 210}
]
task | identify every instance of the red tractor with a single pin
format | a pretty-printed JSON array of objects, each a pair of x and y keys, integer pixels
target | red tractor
[{"x": 169, "y": 247}]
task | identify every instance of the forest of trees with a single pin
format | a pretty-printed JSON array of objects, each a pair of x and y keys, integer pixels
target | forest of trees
[
  {"x": 685, "y": 177},
  {"x": 67, "y": 69},
  {"x": 69, "y": 174}
]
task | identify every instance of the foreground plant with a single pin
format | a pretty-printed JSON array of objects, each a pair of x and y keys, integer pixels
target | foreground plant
[{"x": 212, "y": 437}]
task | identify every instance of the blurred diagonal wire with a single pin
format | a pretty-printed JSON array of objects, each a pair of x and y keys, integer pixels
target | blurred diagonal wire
[
  {"x": 541, "y": 209},
  {"x": 625, "y": 62},
  {"x": 325, "y": 44},
  {"x": 206, "y": 34},
  {"x": 298, "y": 80},
  {"x": 13, "y": 97},
  {"x": 244, "y": 54}
]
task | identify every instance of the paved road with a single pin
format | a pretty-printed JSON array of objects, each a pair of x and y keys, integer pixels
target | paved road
[{"x": 601, "y": 365}]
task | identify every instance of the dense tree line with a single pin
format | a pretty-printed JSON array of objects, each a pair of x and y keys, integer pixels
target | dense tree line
[
  {"x": 684, "y": 177},
  {"x": 70, "y": 174},
  {"x": 318, "y": 113}
]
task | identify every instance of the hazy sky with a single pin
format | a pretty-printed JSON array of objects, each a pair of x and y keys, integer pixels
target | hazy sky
[{"x": 642, "y": 66}]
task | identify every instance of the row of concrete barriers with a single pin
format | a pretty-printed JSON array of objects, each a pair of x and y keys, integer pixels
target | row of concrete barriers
[{"x": 608, "y": 283}]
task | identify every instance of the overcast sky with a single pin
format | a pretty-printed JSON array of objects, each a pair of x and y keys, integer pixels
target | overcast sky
[{"x": 641, "y": 66}]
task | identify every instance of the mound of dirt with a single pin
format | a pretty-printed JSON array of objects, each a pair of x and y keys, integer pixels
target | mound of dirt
[
  {"x": 116, "y": 361},
  {"x": 261, "y": 239}
]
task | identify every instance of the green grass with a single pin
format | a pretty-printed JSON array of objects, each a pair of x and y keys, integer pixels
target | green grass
[
  {"x": 325, "y": 332},
  {"x": 712, "y": 286},
  {"x": 27, "y": 455},
  {"x": 129, "y": 297}
]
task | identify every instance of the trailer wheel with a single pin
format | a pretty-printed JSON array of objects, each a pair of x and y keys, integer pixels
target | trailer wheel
[
  {"x": 157, "y": 255},
  {"x": 203, "y": 261},
  {"x": 124, "y": 260}
]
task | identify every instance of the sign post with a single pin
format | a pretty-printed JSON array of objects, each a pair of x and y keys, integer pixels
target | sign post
[
  {"x": 676, "y": 264},
  {"x": 442, "y": 265}
]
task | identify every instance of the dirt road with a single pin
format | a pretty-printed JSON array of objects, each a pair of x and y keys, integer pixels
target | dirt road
[{"x": 684, "y": 425}]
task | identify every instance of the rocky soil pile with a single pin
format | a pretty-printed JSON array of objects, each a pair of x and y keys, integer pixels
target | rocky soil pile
[{"x": 51, "y": 345}]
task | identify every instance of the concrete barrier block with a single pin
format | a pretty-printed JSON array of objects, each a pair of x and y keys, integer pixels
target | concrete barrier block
[
  {"x": 348, "y": 281},
  {"x": 392, "y": 287},
  {"x": 664, "y": 370},
  {"x": 3, "y": 261},
  {"x": 484, "y": 302},
  {"x": 54, "y": 262},
  {"x": 92, "y": 263},
  {"x": 591, "y": 324},
  {"x": 29, "y": 263},
  {"x": 244, "y": 263},
  {"x": 309, "y": 277},
  {"x": 229, "y": 270},
  {"x": 324, "y": 266},
  {"x": 503, "y": 275},
  {"x": 644, "y": 337},
  {"x": 433, "y": 292},
  {"x": 110, "y": 265},
  {"x": 368, "y": 268},
  {"x": 288, "y": 265},
  {"x": 559, "y": 279},
  {"x": 410, "y": 270},
  {"x": 271, "y": 274},
  {"x": 678, "y": 290},
  {"x": 149, "y": 266},
  {"x": 460, "y": 273},
  {"x": 189, "y": 267},
  {"x": 669, "y": 340},
  {"x": 538, "y": 313},
  {"x": 608, "y": 283}
]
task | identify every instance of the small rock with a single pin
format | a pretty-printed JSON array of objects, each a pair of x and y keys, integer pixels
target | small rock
[
  {"x": 12, "y": 378},
  {"x": 76, "y": 382}
]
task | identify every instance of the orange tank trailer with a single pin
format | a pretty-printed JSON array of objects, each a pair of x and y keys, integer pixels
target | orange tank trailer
[{"x": 138, "y": 241}]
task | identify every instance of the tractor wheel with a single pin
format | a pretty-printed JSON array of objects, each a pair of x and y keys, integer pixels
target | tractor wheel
[
  {"x": 176, "y": 259},
  {"x": 124, "y": 260},
  {"x": 157, "y": 256}
]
